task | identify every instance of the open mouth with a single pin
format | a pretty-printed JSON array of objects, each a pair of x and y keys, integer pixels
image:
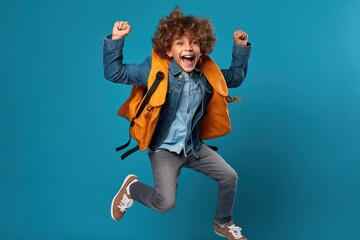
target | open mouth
[{"x": 188, "y": 59}]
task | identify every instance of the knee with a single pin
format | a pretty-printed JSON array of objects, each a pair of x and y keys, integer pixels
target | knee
[
  {"x": 229, "y": 178},
  {"x": 165, "y": 204}
]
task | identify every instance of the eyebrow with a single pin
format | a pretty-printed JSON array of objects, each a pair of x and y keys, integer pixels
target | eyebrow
[{"x": 182, "y": 38}]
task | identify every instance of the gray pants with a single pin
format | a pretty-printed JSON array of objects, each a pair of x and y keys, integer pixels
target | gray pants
[{"x": 166, "y": 167}]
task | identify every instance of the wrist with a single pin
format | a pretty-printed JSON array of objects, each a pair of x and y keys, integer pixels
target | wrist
[{"x": 116, "y": 37}]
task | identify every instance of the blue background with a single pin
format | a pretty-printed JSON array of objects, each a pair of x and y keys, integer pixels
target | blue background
[{"x": 296, "y": 132}]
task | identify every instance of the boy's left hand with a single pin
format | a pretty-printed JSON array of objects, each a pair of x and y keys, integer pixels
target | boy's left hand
[{"x": 240, "y": 38}]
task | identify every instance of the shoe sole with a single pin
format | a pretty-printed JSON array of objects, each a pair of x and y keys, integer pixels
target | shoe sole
[
  {"x": 112, "y": 202},
  {"x": 219, "y": 234}
]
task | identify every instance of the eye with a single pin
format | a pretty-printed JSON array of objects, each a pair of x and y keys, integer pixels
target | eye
[
  {"x": 195, "y": 42},
  {"x": 179, "y": 43}
]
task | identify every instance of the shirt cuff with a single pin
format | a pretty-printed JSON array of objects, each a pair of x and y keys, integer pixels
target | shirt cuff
[
  {"x": 113, "y": 44},
  {"x": 242, "y": 50}
]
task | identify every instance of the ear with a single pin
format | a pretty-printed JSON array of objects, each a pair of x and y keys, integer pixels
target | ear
[{"x": 169, "y": 53}]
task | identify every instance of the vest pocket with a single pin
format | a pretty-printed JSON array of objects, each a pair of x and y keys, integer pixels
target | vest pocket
[{"x": 144, "y": 126}]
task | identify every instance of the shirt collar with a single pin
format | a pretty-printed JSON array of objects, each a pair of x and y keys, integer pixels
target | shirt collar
[{"x": 175, "y": 70}]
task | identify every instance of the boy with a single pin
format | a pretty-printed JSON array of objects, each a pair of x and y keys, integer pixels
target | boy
[{"x": 194, "y": 108}]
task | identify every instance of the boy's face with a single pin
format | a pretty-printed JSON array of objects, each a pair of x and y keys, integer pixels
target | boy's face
[{"x": 186, "y": 52}]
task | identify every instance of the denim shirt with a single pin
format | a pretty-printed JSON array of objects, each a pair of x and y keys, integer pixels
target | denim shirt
[
  {"x": 137, "y": 74},
  {"x": 179, "y": 137}
]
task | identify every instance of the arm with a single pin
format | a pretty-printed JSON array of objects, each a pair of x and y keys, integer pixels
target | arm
[
  {"x": 236, "y": 74},
  {"x": 114, "y": 68}
]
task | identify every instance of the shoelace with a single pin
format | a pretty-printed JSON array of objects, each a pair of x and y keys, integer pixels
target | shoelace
[
  {"x": 125, "y": 203},
  {"x": 235, "y": 231}
]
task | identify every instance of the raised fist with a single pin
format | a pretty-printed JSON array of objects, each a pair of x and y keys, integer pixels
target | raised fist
[
  {"x": 120, "y": 30},
  {"x": 240, "y": 38}
]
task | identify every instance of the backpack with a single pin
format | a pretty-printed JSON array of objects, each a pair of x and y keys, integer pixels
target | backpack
[{"x": 142, "y": 108}]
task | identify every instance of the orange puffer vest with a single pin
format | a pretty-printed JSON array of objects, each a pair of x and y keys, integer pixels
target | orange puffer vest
[{"x": 214, "y": 123}]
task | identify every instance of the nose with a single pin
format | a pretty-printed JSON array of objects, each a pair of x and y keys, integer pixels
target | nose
[{"x": 188, "y": 47}]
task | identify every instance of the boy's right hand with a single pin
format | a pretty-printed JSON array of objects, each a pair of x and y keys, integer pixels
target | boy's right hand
[{"x": 120, "y": 30}]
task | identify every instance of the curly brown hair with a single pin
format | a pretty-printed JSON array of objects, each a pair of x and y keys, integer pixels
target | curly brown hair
[{"x": 176, "y": 24}]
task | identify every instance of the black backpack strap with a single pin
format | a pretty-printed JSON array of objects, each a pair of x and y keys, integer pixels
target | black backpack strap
[
  {"x": 215, "y": 148},
  {"x": 159, "y": 77},
  {"x": 129, "y": 152},
  {"x": 125, "y": 145}
]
